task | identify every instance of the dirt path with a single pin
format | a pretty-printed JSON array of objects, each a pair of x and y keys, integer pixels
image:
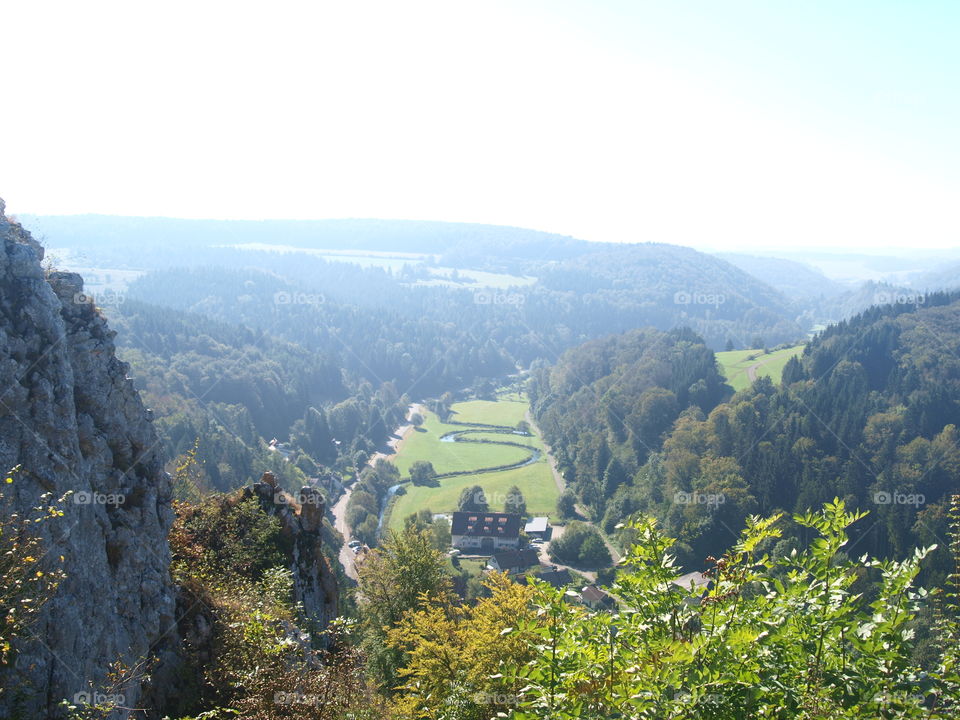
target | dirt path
[
  {"x": 545, "y": 558},
  {"x": 557, "y": 477},
  {"x": 339, "y": 510},
  {"x": 752, "y": 370},
  {"x": 561, "y": 486}
]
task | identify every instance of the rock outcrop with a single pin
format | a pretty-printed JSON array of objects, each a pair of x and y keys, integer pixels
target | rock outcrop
[
  {"x": 69, "y": 415},
  {"x": 301, "y": 517}
]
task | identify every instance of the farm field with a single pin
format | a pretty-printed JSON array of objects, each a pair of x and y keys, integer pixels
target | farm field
[
  {"x": 534, "y": 480},
  {"x": 736, "y": 365}
]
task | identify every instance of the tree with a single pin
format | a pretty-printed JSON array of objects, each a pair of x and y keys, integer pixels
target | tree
[
  {"x": 567, "y": 505},
  {"x": 729, "y": 345},
  {"x": 190, "y": 482},
  {"x": 515, "y": 502},
  {"x": 594, "y": 553},
  {"x": 473, "y": 499},
  {"x": 454, "y": 653},
  {"x": 438, "y": 528},
  {"x": 580, "y": 544},
  {"x": 816, "y": 647},
  {"x": 400, "y": 576},
  {"x": 422, "y": 472},
  {"x": 613, "y": 477}
]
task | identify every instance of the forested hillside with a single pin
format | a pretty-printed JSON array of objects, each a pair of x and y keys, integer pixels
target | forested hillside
[
  {"x": 551, "y": 292},
  {"x": 606, "y": 406},
  {"x": 232, "y": 390},
  {"x": 867, "y": 413}
]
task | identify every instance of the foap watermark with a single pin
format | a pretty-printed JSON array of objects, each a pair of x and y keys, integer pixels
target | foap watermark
[
  {"x": 882, "y": 497},
  {"x": 106, "y": 297},
  {"x": 698, "y": 498},
  {"x": 685, "y": 696},
  {"x": 895, "y": 297},
  {"x": 296, "y": 698},
  {"x": 682, "y": 297},
  {"x": 87, "y": 497},
  {"x": 99, "y": 699},
  {"x": 489, "y": 297},
  {"x": 303, "y": 497},
  {"x": 497, "y": 498},
  {"x": 284, "y": 297},
  {"x": 488, "y": 698}
]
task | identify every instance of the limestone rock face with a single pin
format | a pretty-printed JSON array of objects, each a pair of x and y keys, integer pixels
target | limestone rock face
[
  {"x": 314, "y": 582},
  {"x": 69, "y": 415}
]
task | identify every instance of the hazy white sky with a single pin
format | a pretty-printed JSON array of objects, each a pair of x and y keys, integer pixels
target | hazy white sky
[{"x": 719, "y": 124}]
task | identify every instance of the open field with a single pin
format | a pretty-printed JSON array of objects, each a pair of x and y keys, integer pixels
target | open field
[
  {"x": 736, "y": 365},
  {"x": 474, "y": 279},
  {"x": 487, "y": 412},
  {"x": 425, "y": 444},
  {"x": 534, "y": 480}
]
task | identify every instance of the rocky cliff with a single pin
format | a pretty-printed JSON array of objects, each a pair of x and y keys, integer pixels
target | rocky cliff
[
  {"x": 314, "y": 582},
  {"x": 69, "y": 415}
]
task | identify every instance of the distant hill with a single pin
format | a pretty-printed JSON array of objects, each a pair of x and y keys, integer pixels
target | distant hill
[
  {"x": 947, "y": 278},
  {"x": 796, "y": 280},
  {"x": 574, "y": 290},
  {"x": 94, "y": 232}
]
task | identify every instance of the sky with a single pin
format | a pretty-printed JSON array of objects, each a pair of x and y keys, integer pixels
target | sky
[{"x": 717, "y": 124}]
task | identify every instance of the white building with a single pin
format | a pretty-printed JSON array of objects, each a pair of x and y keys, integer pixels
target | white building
[{"x": 485, "y": 532}]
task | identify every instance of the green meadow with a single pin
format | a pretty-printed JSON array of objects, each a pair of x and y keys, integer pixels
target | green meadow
[
  {"x": 534, "y": 480},
  {"x": 736, "y": 363}
]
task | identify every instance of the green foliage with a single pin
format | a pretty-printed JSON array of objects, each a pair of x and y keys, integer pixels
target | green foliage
[
  {"x": 514, "y": 502},
  {"x": 422, "y": 472},
  {"x": 606, "y": 405},
  {"x": 769, "y": 638},
  {"x": 363, "y": 508},
  {"x": 259, "y": 657},
  {"x": 567, "y": 505},
  {"x": 581, "y": 545},
  {"x": 394, "y": 579},
  {"x": 227, "y": 535},
  {"x": 868, "y": 412},
  {"x": 438, "y": 528},
  {"x": 473, "y": 499}
]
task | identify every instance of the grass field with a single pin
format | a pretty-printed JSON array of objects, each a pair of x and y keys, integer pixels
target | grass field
[
  {"x": 535, "y": 480},
  {"x": 424, "y": 444},
  {"x": 502, "y": 412},
  {"x": 736, "y": 363}
]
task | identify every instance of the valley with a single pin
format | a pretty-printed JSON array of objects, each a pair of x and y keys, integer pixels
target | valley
[{"x": 479, "y": 444}]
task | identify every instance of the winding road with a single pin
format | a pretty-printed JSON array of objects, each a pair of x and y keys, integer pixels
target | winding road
[
  {"x": 558, "y": 529},
  {"x": 339, "y": 509}
]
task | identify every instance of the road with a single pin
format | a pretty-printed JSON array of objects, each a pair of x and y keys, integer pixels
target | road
[
  {"x": 561, "y": 486},
  {"x": 339, "y": 510}
]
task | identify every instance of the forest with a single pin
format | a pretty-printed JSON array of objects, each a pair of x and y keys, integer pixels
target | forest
[{"x": 867, "y": 413}]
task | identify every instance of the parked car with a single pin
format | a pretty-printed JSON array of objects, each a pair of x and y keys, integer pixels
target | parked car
[{"x": 354, "y": 543}]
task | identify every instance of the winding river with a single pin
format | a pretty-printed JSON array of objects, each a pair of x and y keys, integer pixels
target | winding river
[{"x": 461, "y": 436}]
